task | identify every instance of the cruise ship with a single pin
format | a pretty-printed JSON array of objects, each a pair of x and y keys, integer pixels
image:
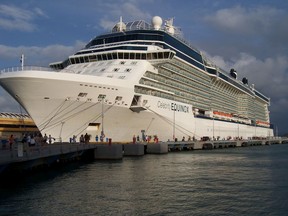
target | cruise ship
[{"x": 141, "y": 79}]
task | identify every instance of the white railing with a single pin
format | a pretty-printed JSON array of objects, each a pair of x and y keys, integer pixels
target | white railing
[{"x": 16, "y": 69}]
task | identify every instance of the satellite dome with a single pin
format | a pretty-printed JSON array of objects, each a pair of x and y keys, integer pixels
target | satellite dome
[{"x": 156, "y": 22}]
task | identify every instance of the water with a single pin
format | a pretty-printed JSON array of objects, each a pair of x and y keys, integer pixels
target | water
[{"x": 238, "y": 181}]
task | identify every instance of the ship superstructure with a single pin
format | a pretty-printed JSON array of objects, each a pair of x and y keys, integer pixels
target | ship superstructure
[{"x": 140, "y": 79}]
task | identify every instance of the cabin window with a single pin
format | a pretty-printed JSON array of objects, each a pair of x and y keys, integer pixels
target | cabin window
[
  {"x": 109, "y": 56},
  {"x": 132, "y": 55},
  {"x": 149, "y": 56},
  {"x": 137, "y": 55},
  {"x": 101, "y": 97},
  {"x": 166, "y": 55},
  {"x": 104, "y": 56},
  {"x": 92, "y": 58},
  {"x": 81, "y": 94},
  {"x": 86, "y": 59},
  {"x": 114, "y": 55},
  {"x": 126, "y": 55}
]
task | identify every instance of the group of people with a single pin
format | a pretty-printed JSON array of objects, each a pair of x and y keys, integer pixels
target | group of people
[
  {"x": 37, "y": 139},
  {"x": 84, "y": 138},
  {"x": 32, "y": 139}
]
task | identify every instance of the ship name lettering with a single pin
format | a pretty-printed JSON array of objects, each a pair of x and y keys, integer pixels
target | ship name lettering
[
  {"x": 163, "y": 105},
  {"x": 179, "y": 108}
]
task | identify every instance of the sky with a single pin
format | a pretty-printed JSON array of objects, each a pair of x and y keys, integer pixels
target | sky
[{"x": 248, "y": 35}]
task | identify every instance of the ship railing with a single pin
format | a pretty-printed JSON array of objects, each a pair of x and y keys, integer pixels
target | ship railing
[{"x": 25, "y": 68}]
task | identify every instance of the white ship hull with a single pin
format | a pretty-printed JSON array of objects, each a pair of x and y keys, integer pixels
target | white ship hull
[{"x": 52, "y": 100}]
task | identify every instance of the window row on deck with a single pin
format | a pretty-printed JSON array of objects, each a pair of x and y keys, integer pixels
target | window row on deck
[{"x": 121, "y": 55}]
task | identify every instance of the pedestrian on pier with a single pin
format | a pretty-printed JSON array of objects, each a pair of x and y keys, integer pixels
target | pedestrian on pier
[
  {"x": 74, "y": 138},
  {"x": 45, "y": 138},
  {"x": 50, "y": 139},
  {"x": 81, "y": 139},
  {"x": 11, "y": 141},
  {"x": 86, "y": 138},
  {"x": 134, "y": 139}
]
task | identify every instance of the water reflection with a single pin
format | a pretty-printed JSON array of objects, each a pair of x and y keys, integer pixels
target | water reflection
[{"x": 250, "y": 181}]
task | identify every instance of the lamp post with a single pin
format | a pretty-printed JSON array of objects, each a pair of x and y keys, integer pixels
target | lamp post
[
  {"x": 60, "y": 138},
  {"x": 174, "y": 125}
]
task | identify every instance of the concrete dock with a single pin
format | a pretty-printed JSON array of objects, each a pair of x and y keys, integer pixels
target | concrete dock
[{"x": 22, "y": 157}]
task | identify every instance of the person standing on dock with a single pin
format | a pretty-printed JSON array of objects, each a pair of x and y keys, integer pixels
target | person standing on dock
[
  {"x": 81, "y": 139},
  {"x": 86, "y": 138},
  {"x": 11, "y": 141},
  {"x": 50, "y": 139},
  {"x": 45, "y": 138},
  {"x": 134, "y": 139}
]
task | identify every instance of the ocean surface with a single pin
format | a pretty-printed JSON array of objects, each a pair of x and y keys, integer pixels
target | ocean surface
[{"x": 234, "y": 181}]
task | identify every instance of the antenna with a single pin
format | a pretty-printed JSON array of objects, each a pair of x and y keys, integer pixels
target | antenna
[{"x": 120, "y": 24}]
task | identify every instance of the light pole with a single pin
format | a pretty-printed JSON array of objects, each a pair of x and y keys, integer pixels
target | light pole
[
  {"x": 60, "y": 138},
  {"x": 174, "y": 125},
  {"x": 102, "y": 132}
]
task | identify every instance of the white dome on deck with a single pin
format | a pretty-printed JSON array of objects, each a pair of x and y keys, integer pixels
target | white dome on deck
[{"x": 156, "y": 22}]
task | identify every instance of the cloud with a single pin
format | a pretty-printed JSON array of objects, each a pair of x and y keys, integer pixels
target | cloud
[
  {"x": 245, "y": 20},
  {"x": 260, "y": 30},
  {"x": 40, "y": 12},
  {"x": 36, "y": 56},
  {"x": 40, "y": 56},
  {"x": 14, "y": 18}
]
